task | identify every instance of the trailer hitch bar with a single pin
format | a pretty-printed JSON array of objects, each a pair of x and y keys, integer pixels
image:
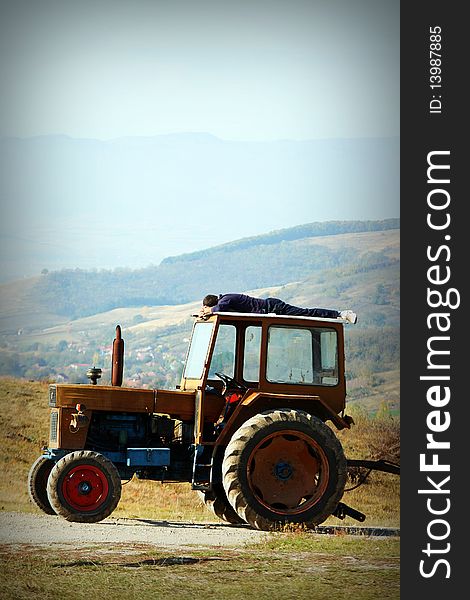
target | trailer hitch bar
[
  {"x": 376, "y": 465},
  {"x": 343, "y": 510}
]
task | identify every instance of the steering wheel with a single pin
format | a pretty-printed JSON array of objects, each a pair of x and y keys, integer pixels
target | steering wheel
[{"x": 230, "y": 382}]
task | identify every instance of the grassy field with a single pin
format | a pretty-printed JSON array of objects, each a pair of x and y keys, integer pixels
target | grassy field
[{"x": 294, "y": 567}]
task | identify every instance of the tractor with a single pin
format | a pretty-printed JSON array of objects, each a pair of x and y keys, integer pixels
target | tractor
[{"x": 246, "y": 426}]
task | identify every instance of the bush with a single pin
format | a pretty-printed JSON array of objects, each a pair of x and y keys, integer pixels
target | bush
[{"x": 372, "y": 438}]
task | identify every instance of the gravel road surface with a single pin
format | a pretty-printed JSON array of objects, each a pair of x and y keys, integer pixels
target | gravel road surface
[{"x": 39, "y": 529}]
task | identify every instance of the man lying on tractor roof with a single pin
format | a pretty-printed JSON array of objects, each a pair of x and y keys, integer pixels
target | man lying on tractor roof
[{"x": 248, "y": 304}]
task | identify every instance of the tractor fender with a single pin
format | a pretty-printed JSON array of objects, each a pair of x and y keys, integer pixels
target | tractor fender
[{"x": 255, "y": 402}]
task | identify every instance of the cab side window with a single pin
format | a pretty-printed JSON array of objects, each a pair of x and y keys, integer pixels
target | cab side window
[
  {"x": 306, "y": 356},
  {"x": 251, "y": 355}
]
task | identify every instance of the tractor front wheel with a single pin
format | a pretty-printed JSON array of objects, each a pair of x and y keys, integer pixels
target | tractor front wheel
[
  {"x": 37, "y": 483},
  {"x": 284, "y": 466},
  {"x": 84, "y": 487}
]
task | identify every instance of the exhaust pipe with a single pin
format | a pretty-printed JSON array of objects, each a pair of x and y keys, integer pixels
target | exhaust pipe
[{"x": 117, "y": 363}]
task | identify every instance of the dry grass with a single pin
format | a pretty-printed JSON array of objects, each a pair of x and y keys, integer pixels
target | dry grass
[
  {"x": 156, "y": 501},
  {"x": 24, "y": 426},
  {"x": 373, "y": 438},
  {"x": 24, "y": 429},
  {"x": 290, "y": 567}
]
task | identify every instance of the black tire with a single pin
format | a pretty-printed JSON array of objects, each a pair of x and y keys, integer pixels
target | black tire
[
  {"x": 84, "y": 487},
  {"x": 216, "y": 501},
  {"x": 284, "y": 466},
  {"x": 37, "y": 483}
]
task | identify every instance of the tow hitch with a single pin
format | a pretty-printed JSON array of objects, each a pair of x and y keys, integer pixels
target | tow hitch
[
  {"x": 343, "y": 510},
  {"x": 376, "y": 465}
]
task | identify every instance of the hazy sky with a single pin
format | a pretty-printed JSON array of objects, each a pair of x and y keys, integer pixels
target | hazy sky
[
  {"x": 245, "y": 71},
  {"x": 239, "y": 69}
]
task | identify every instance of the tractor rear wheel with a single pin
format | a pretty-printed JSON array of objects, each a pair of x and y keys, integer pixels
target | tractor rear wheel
[
  {"x": 284, "y": 466},
  {"x": 216, "y": 501},
  {"x": 37, "y": 483},
  {"x": 84, "y": 487}
]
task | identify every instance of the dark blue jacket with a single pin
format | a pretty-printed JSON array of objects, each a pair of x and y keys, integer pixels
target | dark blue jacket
[{"x": 240, "y": 303}]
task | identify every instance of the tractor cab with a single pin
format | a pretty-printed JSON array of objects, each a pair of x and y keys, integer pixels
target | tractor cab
[{"x": 256, "y": 361}]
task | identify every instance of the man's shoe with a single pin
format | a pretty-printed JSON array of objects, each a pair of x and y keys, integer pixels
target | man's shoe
[{"x": 348, "y": 315}]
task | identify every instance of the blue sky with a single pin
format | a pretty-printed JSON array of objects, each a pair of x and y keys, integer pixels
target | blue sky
[{"x": 240, "y": 70}]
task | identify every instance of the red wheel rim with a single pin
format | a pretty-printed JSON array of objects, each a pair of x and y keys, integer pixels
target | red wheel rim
[
  {"x": 288, "y": 472},
  {"x": 85, "y": 488}
]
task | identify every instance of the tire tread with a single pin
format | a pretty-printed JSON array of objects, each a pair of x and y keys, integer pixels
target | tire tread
[
  {"x": 230, "y": 466},
  {"x": 61, "y": 468}
]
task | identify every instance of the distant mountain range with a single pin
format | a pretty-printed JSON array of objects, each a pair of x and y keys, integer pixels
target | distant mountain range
[{"x": 131, "y": 202}]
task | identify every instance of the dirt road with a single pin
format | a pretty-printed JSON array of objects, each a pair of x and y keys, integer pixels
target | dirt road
[{"x": 39, "y": 529}]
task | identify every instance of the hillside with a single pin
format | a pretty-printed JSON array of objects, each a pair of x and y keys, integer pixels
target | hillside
[
  {"x": 358, "y": 270},
  {"x": 274, "y": 259}
]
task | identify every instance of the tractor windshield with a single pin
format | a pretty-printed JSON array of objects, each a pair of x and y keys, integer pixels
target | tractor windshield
[{"x": 198, "y": 350}]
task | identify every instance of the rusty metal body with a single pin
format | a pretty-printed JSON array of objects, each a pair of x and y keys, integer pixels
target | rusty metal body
[{"x": 192, "y": 402}]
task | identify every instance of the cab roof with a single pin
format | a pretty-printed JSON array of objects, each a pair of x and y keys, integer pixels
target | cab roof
[{"x": 257, "y": 316}]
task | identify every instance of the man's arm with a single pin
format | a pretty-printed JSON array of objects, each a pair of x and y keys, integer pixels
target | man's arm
[{"x": 206, "y": 311}]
